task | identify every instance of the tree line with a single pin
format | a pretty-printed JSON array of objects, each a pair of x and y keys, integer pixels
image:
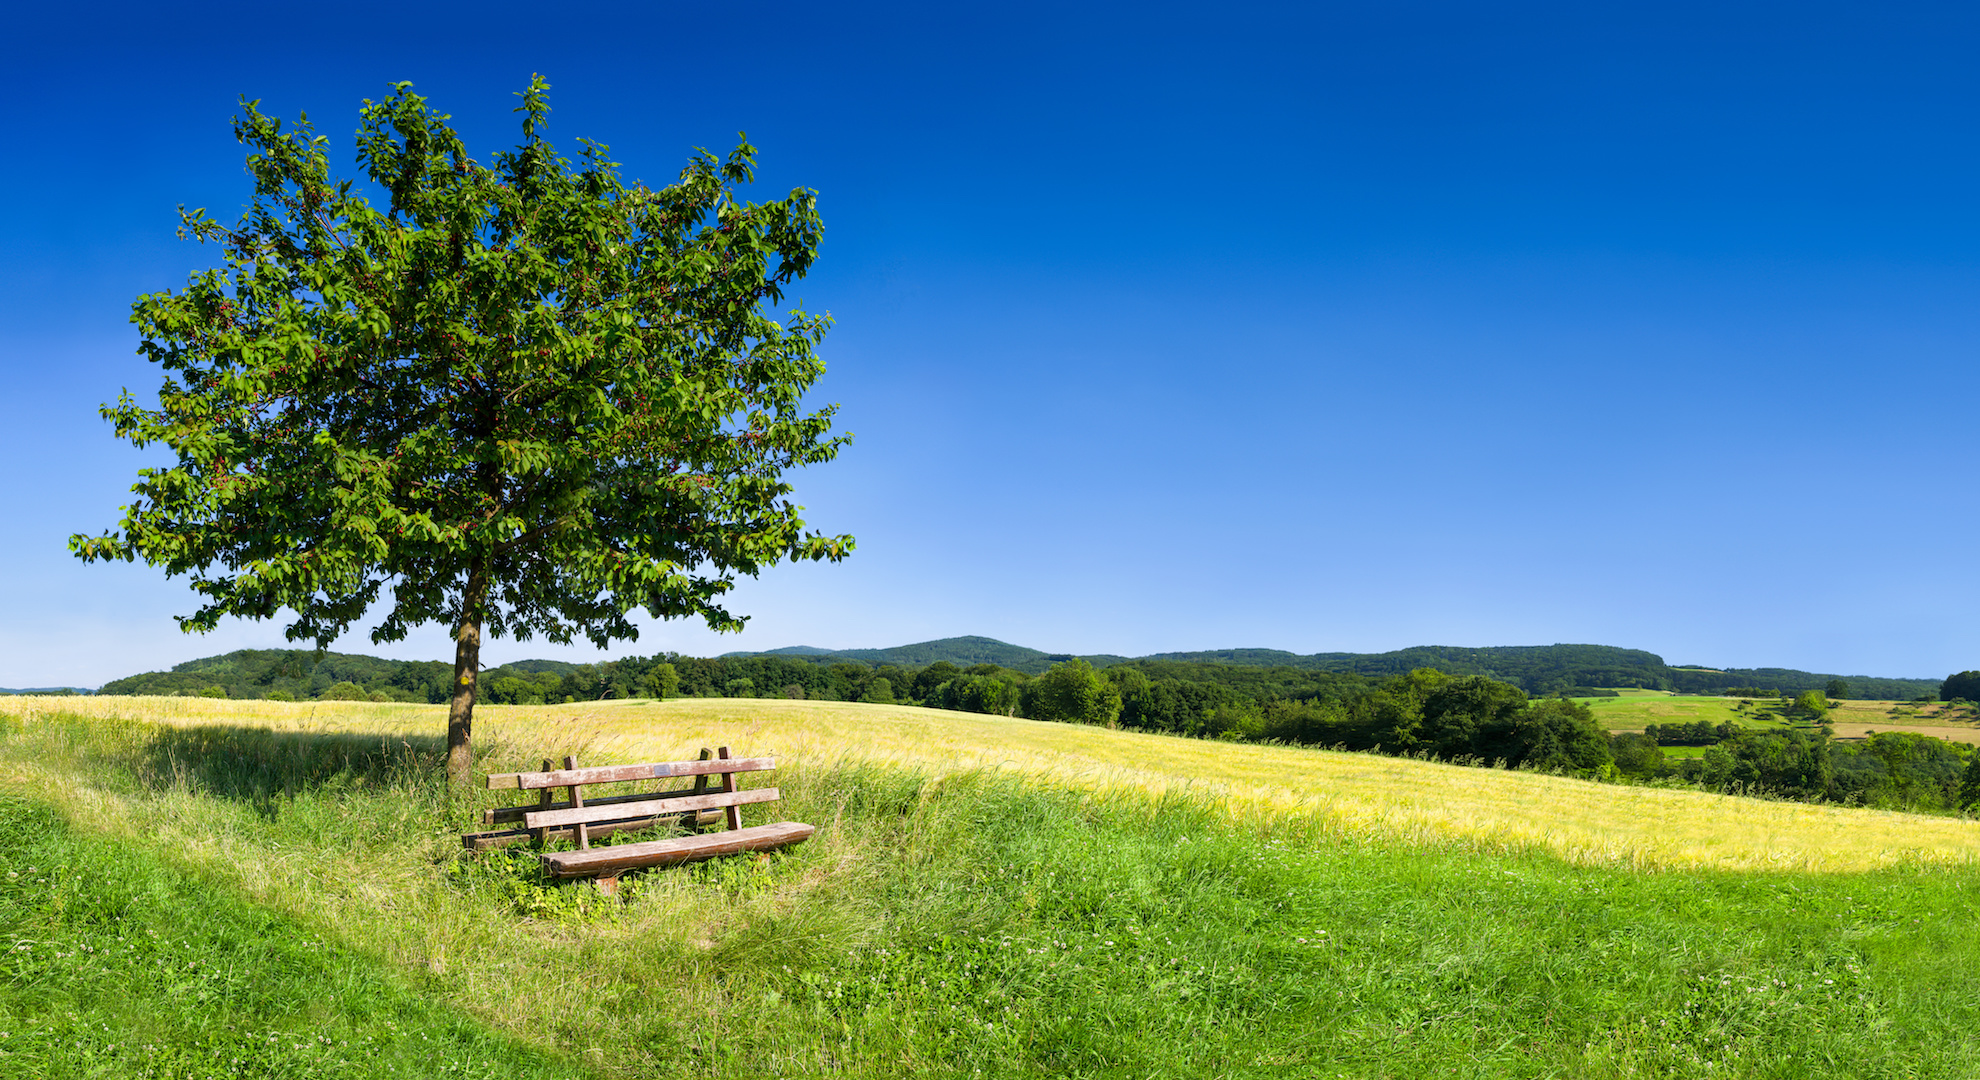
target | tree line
[{"x": 1469, "y": 719}]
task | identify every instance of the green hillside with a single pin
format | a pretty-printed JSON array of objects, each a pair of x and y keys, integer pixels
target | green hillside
[
  {"x": 1540, "y": 670},
  {"x": 1537, "y": 669},
  {"x": 960, "y": 651},
  {"x": 1548, "y": 669}
]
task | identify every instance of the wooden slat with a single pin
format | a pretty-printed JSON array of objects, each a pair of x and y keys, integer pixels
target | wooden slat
[
  {"x": 537, "y": 819},
  {"x": 611, "y": 860},
  {"x": 606, "y": 774},
  {"x": 505, "y": 814},
  {"x": 483, "y": 841}
]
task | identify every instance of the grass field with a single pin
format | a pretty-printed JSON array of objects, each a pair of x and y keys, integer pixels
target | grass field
[
  {"x": 1852, "y": 719},
  {"x": 1636, "y": 708},
  {"x": 206, "y": 888}
]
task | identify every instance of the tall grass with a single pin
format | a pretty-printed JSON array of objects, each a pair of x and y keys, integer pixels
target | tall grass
[{"x": 1351, "y": 794}]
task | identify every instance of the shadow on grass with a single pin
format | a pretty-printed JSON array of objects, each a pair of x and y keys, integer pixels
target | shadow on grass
[{"x": 264, "y": 767}]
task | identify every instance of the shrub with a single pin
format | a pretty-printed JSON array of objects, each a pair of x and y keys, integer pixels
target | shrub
[
  {"x": 278, "y": 695},
  {"x": 345, "y": 691}
]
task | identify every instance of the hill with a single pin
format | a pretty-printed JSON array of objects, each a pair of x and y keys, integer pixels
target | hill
[
  {"x": 960, "y": 651},
  {"x": 1540, "y": 670},
  {"x": 1537, "y": 669}
]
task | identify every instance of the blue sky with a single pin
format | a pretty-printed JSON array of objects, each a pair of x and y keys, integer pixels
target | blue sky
[{"x": 1310, "y": 327}]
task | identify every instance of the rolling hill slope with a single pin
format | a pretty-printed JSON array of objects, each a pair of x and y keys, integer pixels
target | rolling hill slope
[{"x": 1356, "y": 794}]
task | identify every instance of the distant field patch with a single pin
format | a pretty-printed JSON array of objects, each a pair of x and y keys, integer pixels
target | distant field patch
[
  {"x": 1635, "y": 709},
  {"x": 1888, "y": 714},
  {"x": 1969, "y": 736}
]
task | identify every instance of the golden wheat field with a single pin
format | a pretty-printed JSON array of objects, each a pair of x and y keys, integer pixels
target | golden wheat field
[{"x": 1354, "y": 794}]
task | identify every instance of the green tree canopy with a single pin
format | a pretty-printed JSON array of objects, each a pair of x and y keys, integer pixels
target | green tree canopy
[
  {"x": 1964, "y": 686},
  {"x": 1073, "y": 692},
  {"x": 525, "y": 397}
]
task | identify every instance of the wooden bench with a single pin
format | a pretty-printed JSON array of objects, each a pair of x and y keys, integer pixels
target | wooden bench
[{"x": 581, "y": 821}]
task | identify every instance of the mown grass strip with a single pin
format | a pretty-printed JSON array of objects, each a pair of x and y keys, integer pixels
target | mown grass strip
[{"x": 114, "y": 962}]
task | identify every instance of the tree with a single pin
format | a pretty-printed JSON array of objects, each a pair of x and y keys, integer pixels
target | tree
[
  {"x": 1472, "y": 714},
  {"x": 932, "y": 676},
  {"x": 1969, "y": 784},
  {"x": 1837, "y": 690},
  {"x": 522, "y": 398},
  {"x": 1812, "y": 703},
  {"x": 1558, "y": 733},
  {"x": 1637, "y": 756},
  {"x": 662, "y": 681},
  {"x": 1073, "y": 692},
  {"x": 1964, "y": 686}
]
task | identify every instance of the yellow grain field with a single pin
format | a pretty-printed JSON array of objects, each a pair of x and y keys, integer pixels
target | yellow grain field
[{"x": 1355, "y": 794}]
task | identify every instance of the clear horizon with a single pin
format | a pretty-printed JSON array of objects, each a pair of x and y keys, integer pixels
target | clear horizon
[{"x": 1340, "y": 330}]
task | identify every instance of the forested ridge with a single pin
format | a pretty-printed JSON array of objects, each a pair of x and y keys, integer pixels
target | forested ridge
[{"x": 1541, "y": 670}]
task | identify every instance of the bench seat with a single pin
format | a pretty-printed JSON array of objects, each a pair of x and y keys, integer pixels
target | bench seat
[{"x": 610, "y": 861}]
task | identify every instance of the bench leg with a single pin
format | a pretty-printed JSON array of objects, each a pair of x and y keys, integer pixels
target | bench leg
[
  {"x": 543, "y": 800},
  {"x": 608, "y": 886},
  {"x": 733, "y": 813},
  {"x": 577, "y": 800}
]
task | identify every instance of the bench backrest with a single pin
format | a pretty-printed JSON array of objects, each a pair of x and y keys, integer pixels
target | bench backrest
[
  {"x": 622, "y": 811},
  {"x": 608, "y": 774}
]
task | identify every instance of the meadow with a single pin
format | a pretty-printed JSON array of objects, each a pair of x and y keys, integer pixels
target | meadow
[
  {"x": 1633, "y": 709},
  {"x": 198, "y": 887}
]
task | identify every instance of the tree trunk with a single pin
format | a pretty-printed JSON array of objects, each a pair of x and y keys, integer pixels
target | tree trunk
[{"x": 467, "y": 672}]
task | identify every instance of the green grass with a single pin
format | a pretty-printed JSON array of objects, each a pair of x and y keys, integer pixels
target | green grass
[
  {"x": 1635, "y": 709},
  {"x": 119, "y": 963},
  {"x": 226, "y": 902}
]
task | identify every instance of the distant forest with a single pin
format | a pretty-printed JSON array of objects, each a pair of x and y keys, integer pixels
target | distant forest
[
  {"x": 1537, "y": 669},
  {"x": 845, "y": 675}
]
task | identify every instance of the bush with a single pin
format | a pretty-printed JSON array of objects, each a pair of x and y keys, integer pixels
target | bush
[
  {"x": 794, "y": 692},
  {"x": 278, "y": 695},
  {"x": 345, "y": 691},
  {"x": 878, "y": 692},
  {"x": 1637, "y": 756}
]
